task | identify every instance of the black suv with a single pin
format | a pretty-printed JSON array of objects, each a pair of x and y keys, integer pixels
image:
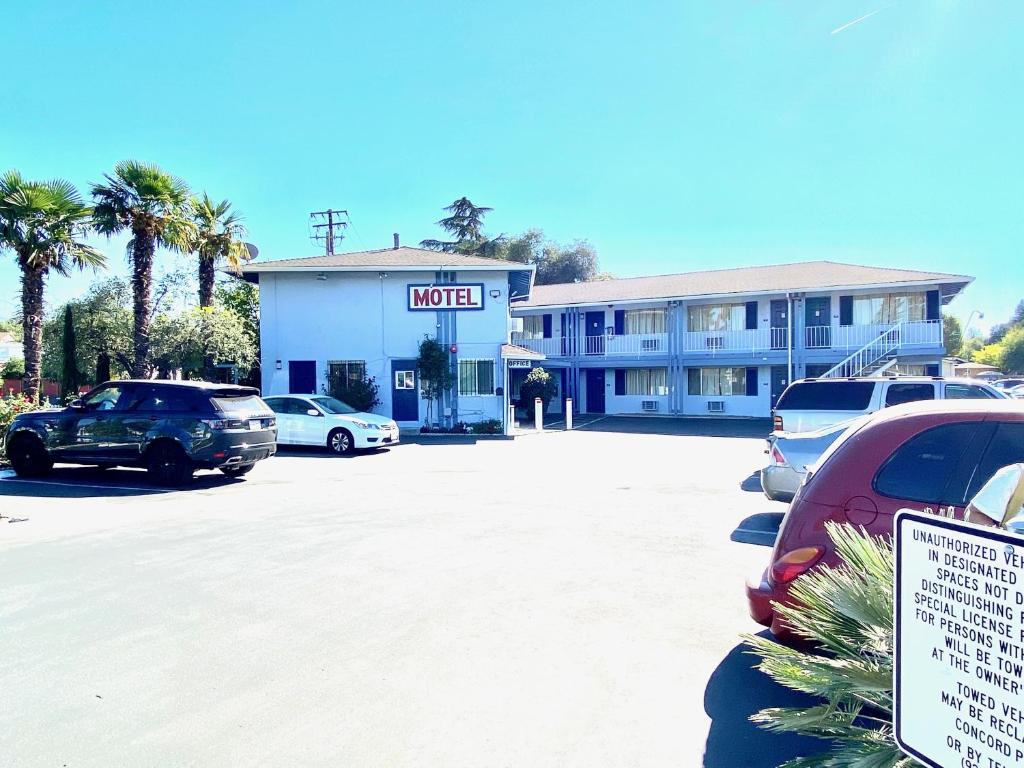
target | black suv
[{"x": 170, "y": 427}]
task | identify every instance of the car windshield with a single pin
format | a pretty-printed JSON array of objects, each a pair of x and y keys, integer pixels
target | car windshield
[{"x": 333, "y": 405}]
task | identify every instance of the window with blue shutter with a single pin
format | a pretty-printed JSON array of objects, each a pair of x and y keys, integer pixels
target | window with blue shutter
[
  {"x": 620, "y": 381},
  {"x": 620, "y": 322},
  {"x": 547, "y": 326},
  {"x": 751, "y": 316},
  {"x": 751, "y": 382},
  {"x": 846, "y": 310},
  {"x": 932, "y": 305}
]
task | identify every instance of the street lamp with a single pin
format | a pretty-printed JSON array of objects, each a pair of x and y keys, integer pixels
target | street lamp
[{"x": 970, "y": 319}]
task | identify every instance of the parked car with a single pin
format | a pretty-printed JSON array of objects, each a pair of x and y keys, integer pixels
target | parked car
[
  {"x": 172, "y": 428},
  {"x": 1007, "y": 383},
  {"x": 327, "y": 421},
  {"x": 927, "y": 455},
  {"x": 1015, "y": 392},
  {"x": 811, "y": 404},
  {"x": 791, "y": 453}
]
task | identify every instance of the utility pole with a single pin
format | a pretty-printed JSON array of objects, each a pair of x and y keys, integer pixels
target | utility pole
[{"x": 323, "y": 224}]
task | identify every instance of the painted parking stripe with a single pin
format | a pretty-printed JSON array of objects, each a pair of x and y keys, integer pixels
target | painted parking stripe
[{"x": 72, "y": 484}]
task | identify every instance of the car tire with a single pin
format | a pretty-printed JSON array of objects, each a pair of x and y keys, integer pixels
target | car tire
[
  {"x": 237, "y": 471},
  {"x": 167, "y": 464},
  {"x": 28, "y": 457},
  {"x": 341, "y": 442}
]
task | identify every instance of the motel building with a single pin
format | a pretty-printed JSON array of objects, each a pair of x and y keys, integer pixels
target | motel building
[
  {"x": 364, "y": 314},
  {"x": 727, "y": 342},
  {"x": 719, "y": 342}
]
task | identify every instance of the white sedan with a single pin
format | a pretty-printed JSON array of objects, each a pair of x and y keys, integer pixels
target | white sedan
[{"x": 327, "y": 421}]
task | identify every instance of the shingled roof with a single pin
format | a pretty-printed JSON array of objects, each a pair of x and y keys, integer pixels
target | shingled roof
[
  {"x": 802, "y": 276},
  {"x": 386, "y": 258}
]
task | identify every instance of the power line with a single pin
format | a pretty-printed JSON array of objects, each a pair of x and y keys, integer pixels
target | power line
[{"x": 323, "y": 226}]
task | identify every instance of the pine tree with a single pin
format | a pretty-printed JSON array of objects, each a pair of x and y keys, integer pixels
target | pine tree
[{"x": 70, "y": 378}]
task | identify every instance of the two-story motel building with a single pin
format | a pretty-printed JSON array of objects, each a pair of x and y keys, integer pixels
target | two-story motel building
[
  {"x": 715, "y": 342},
  {"x": 729, "y": 341}
]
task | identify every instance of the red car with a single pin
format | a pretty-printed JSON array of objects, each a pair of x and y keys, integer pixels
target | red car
[{"x": 930, "y": 454}]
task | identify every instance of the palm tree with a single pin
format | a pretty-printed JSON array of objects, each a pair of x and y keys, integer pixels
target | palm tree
[
  {"x": 847, "y": 615},
  {"x": 217, "y": 237},
  {"x": 41, "y": 222},
  {"x": 155, "y": 207}
]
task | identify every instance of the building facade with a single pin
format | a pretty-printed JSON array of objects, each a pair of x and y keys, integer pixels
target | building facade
[
  {"x": 346, "y": 316},
  {"x": 727, "y": 342}
]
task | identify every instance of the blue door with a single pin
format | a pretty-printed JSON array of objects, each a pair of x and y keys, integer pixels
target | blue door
[
  {"x": 405, "y": 397},
  {"x": 595, "y": 390},
  {"x": 302, "y": 377},
  {"x": 595, "y": 335}
]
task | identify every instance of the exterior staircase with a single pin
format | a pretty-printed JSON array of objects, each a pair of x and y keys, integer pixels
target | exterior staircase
[{"x": 873, "y": 359}]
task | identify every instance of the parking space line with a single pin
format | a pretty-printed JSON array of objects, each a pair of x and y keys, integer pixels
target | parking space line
[{"x": 61, "y": 484}]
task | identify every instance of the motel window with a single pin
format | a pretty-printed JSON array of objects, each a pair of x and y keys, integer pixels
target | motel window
[
  {"x": 346, "y": 373},
  {"x": 717, "y": 317},
  {"x": 646, "y": 381},
  {"x": 889, "y": 309},
  {"x": 645, "y": 321},
  {"x": 476, "y": 377},
  {"x": 533, "y": 326},
  {"x": 716, "y": 382}
]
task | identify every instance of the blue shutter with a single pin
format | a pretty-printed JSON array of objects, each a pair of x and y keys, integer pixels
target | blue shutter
[
  {"x": 932, "y": 305},
  {"x": 620, "y": 322},
  {"x": 846, "y": 310},
  {"x": 751, "y": 382},
  {"x": 547, "y": 326},
  {"x": 620, "y": 381},
  {"x": 931, "y": 370},
  {"x": 751, "y": 316}
]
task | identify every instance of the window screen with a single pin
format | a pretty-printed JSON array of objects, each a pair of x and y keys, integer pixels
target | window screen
[
  {"x": 921, "y": 468},
  {"x": 908, "y": 393},
  {"x": 827, "y": 396},
  {"x": 476, "y": 377}
]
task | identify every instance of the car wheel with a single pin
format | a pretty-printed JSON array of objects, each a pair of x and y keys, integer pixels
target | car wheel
[
  {"x": 28, "y": 457},
  {"x": 168, "y": 465},
  {"x": 340, "y": 441},
  {"x": 237, "y": 471}
]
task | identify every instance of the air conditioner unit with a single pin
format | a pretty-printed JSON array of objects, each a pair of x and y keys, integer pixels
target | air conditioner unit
[
  {"x": 648, "y": 405},
  {"x": 714, "y": 342},
  {"x": 650, "y": 345},
  {"x": 716, "y": 406},
  {"x": 515, "y": 324}
]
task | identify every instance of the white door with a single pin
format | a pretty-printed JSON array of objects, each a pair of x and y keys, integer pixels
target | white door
[{"x": 308, "y": 429}]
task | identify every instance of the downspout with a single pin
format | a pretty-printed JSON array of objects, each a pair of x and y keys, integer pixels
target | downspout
[{"x": 789, "y": 339}]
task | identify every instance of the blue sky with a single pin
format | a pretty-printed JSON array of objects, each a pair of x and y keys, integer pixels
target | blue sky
[{"x": 672, "y": 135}]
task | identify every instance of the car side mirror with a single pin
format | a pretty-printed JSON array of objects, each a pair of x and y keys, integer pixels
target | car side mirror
[
  {"x": 1001, "y": 499},
  {"x": 77, "y": 404},
  {"x": 312, "y": 412}
]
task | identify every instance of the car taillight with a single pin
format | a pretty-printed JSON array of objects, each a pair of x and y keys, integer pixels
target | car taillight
[
  {"x": 777, "y": 423},
  {"x": 216, "y": 424},
  {"x": 776, "y": 456},
  {"x": 795, "y": 563}
]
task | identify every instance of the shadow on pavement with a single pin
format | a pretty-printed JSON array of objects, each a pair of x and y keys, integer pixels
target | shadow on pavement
[
  {"x": 679, "y": 425},
  {"x": 736, "y": 691},
  {"x": 761, "y": 528},
  {"x": 89, "y": 482},
  {"x": 753, "y": 483},
  {"x": 316, "y": 452}
]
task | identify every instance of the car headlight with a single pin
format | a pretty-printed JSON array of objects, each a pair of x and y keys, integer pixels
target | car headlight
[{"x": 361, "y": 424}]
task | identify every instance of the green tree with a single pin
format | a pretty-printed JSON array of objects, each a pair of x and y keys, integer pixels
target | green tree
[
  {"x": 243, "y": 299},
  {"x": 952, "y": 334},
  {"x": 192, "y": 340},
  {"x": 12, "y": 369},
  {"x": 436, "y": 378},
  {"x": 847, "y": 612},
  {"x": 217, "y": 238},
  {"x": 465, "y": 224},
  {"x": 154, "y": 207},
  {"x": 573, "y": 263},
  {"x": 42, "y": 223},
  {"x": 70, "y": 377},
  {"x": 538, "y": 383}
]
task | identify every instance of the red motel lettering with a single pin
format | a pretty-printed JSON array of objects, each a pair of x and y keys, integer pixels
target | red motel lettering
[{"x": 446, "y": 297}]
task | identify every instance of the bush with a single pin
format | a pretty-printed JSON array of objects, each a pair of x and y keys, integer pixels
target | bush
[
  {"x": 538, "y": 383},
  {"x": 487, "y": 427},
  {"x": 847, "y": 614},
  {"x": 9, "y": 408},
  {"x": 13, "y": 369},
  {"x": 361, "y": 394}
]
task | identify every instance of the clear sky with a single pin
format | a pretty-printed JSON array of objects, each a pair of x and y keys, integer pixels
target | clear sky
[{"x": 673, "y": 135}]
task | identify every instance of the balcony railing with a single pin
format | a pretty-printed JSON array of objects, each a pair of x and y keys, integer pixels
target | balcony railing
[{"x": 847, "y": 338}]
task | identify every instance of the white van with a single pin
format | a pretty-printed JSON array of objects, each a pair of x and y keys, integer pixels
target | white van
[{"x": 815, "y": 403}]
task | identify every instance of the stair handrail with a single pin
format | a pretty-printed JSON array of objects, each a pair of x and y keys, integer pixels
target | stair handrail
[{"x": 861, "y": 356}]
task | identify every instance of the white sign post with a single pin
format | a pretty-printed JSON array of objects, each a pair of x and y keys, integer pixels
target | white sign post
[
  {"x": 538, "y": 414},
  {"x": 959, "y": 643}
]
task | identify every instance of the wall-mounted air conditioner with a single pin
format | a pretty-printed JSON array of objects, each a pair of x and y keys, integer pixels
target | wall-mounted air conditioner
[
  {"x": 648, "y": 405},
  {"x": 714, "y": 342},
  {"x": 650, "y": 345},
  {"x": 515, "y": 324},
  {"x": 716, "y": 406}
]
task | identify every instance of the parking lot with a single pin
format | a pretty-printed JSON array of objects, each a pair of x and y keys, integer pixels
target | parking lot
[{"x": 565, "y": 599}]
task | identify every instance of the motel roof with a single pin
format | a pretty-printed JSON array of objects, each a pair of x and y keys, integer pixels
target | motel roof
[
  {"x": 397, "y": 259},
  {"x": 797, "y": 277}
]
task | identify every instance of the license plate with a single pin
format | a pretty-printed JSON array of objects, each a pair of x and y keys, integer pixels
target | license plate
[{"x": 255, "y": 425}]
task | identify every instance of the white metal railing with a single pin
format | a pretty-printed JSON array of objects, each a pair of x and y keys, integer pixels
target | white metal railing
[
  {"x": 734, "y": 341},
  {"x": 876, "y": 350},
  {"x": 918, "y": 332},
  {"x": 549, "y": 347}
]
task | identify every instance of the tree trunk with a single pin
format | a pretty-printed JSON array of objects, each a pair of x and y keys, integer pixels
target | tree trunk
[
  {"x": 102, "y": 368},
  {"x": 142, "y": 294},
  {"x": 207, "y": 276},
  {"x": 32, "y": 281}
]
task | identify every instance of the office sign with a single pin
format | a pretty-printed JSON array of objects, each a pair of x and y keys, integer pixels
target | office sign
[
  {"x": 519, "y": 364},
  {"x": 454, "y": 296},
  {"x": 959, "y": 643}
]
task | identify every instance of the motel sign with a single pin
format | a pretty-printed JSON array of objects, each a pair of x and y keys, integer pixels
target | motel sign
[{"x": 455, "y": 296}]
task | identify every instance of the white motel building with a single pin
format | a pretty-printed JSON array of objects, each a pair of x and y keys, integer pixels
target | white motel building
[{"x": 717, "y": 342}]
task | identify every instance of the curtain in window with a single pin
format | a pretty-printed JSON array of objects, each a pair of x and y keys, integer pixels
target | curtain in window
[
  {"x": 717, "y": 382},
  {"x": 476, "y": 377},
  {"x": 646, "y": 381},
  {"x": 889, "y": 309},
  {"x": 717, "y": 317},
  {"x": 645, "y": 321},
  {"x": 344, "y": 374},
  {"x": 533, "y": 327}
]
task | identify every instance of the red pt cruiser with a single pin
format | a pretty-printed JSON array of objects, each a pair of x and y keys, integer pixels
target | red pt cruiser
[{"x": 930, "y": 454}]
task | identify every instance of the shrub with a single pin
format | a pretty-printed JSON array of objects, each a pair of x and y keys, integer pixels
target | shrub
[
  {"x": 847, "y": 613},
  {"x": 538, "y": 383},
  {"x": 487, "y": 427},
  {"x": 361, "y": 394},
  {"x": 9, "y": 408},
  {"x": 13, "y": 369}
]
